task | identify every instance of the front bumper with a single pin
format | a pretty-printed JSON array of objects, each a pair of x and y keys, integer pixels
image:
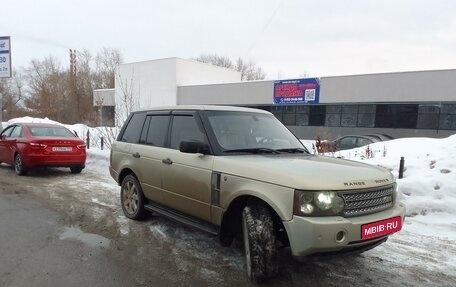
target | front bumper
[{"x": 311, "y": 235}]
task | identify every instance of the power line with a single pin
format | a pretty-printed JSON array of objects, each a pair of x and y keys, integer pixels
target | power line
[{"x": 264, "y": 28}]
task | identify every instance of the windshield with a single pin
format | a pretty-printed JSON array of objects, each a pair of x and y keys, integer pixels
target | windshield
[{"x": 243, "y": 131}]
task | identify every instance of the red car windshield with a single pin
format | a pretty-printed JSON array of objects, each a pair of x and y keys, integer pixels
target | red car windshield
[{"x": 51, "y": 132}]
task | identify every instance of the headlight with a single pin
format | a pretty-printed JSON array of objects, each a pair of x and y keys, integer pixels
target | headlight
[{"x": 318, "y": 203}]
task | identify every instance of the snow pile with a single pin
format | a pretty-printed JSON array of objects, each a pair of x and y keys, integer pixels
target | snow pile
[{"x": 428, "y": 187}]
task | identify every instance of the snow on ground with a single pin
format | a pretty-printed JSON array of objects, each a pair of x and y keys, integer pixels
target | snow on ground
[{"x": 428, "y": 190}]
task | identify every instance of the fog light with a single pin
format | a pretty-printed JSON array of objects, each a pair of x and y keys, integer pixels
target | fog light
[{"x": 340, "y": 236}]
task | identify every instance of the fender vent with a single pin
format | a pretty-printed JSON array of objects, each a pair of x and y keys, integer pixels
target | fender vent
[{"x": 215, "y": 188}]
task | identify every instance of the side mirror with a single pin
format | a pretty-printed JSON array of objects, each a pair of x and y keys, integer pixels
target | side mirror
[{"x": 194, "y": 147}]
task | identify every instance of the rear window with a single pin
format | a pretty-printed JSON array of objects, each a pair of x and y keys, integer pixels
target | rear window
[
  {"x": 51, "y": 132},
  {"x": 132, "y": 132}
]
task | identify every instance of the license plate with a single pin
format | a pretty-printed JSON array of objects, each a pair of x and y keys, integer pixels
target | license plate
[
  {"x": 61, "y": 148},
  {"x": 380, "y": 228}
]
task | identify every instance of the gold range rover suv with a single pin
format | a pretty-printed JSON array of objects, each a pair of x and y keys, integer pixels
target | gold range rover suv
[{"x": 238, "y": 171}]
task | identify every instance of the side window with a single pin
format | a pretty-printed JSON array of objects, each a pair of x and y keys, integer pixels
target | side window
[
  {"x": 133, "y": 130},
  {"x": 17, "y": 132},
  {"x": 155, "y": 130},
  {"x": 347, "y": 143},
  {"x": 158, "y": 129},
  {"x": 363, "y": 142},
  {"x": 185, "y": 128},
  {"x": 7, "y": 132}
]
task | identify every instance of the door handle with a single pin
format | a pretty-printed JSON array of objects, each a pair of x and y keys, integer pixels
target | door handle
[
  {"x": 136, "y": 155},
  {"x": 167, "y": 161}
]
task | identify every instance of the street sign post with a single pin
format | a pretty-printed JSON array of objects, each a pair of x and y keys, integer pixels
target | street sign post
[
  {"x": 5, "y": 67},
  {"x": 5, "y": 57}
]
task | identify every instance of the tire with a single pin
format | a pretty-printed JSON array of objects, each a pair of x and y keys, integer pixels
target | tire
[
  {"x": 76, "y": 169},
  {"x": 259, "y": 243},
  {"x": 132, "y": 198},
  {"x": 19, "y": 165}
]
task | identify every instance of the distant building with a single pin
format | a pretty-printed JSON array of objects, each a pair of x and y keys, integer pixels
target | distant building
[
  {"x": 406, "y": 104},
  {"x": 104, "y": 101}
]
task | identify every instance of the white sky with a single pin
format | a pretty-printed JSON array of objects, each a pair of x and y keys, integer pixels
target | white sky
[{"x": 287, "y": 38}]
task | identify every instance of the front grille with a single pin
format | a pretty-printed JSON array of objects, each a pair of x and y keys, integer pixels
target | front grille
[{"x": 367, "y": 201}]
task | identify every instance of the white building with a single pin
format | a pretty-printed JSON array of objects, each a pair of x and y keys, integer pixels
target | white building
[{"x": 421, "y": 103}]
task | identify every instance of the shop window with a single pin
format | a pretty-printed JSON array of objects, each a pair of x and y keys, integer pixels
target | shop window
[
  {"x": 288, "y": 119},
  {"x": 366, "y": 120},
  {"x": 350, "y": 109},
  {"x": 449, "y": 109},
  {"x": 396, "y": 116},
  {"x": 349, "y": 120},
  {"x": 428, "y": 121},
  {"x": 302, "y": 119},
  {"x": 288, "y": 109},
  {"x": 425, "y": 109},
  {"x": 317, "y": 115},
  {"x": 366, "y": 109},
  {"x": 302, "y": 109},
  {"x": 333, "y": 120},
  {"x": 333, "y": 109},
  {"x": 447, "y": 122}
]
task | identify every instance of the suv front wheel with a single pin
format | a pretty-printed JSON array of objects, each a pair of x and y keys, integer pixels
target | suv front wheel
[
  {"x": 132, "y": 198},
  {"x": 259, "y": 243}
]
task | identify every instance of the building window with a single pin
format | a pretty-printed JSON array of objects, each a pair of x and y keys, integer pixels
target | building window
[
  {"x": 317, "y": 115},
  {"x": 366, "y": 120},
  {"x": 447, "y": 119},
  {"x": 332, "y": 120},
  {"x": 333, "y": 115},
  {"x": 277, "y": 112},
  {"x": 302, "y": 115},
  {"x": 428, "y": 117},
  {"x": 396, "y": 116}
]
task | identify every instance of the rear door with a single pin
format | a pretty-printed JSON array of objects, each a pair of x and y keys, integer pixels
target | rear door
[
  {"x": 151, "y": 151},
  {"x": 140, "y": 147},
  {"x": 187, "y": 177}
]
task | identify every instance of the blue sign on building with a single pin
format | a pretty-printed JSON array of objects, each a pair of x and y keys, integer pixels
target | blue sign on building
[{"x": 298, "y": 91}]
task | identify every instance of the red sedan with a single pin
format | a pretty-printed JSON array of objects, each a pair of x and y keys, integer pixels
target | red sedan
[{"x": 30, "y": 145}]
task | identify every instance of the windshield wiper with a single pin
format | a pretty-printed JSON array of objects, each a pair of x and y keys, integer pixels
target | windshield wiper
[
  {"x": 293, "y": 150},
  {"x": 254, "y": 150}
]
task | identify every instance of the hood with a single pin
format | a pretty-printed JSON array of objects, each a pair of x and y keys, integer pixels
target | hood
[{"x": 306, "y": 172}]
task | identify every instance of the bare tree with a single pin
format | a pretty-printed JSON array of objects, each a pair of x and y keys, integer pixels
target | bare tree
[
  {"x": 216, "y": 60},
  {"x": 249, "y": 70},
  {"x": 48, "y": 89},
  {"x": 106, "y": 63},
  {"x": 125, "y": 101},
  {"x": 12, "y": 93}
]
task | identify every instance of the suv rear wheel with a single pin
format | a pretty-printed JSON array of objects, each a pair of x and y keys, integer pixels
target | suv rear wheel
[
  {"x": 259, "y": 243},
  {"x": 132, "y": 198}
]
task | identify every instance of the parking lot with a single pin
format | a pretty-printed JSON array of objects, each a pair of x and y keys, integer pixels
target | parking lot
[{"x": 60, "y": 228}]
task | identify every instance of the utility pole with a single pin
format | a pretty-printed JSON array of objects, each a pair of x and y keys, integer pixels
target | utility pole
[{"x": 74, "y": 93}]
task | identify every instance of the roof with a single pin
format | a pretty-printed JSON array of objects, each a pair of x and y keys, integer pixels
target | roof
[
  {"x": 207, "y": 108},
  {"x": 44, "y": 125}
]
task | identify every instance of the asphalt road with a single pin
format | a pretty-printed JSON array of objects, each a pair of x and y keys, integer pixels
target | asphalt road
[{"x": 61, "y": 229}]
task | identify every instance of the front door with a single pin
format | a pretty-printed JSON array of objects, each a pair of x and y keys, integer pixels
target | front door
[{"x": 187, "y": 177}]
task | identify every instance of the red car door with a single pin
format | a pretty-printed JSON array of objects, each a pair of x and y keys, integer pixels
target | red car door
[{"x": 5, "y": 145}]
